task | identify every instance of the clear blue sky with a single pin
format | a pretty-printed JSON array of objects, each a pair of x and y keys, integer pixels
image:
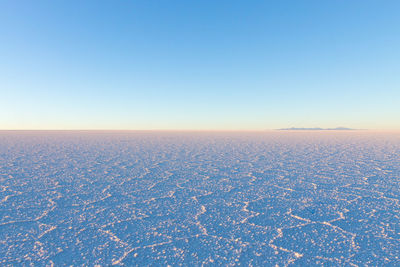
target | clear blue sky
[{"x": 237, "y": 65}]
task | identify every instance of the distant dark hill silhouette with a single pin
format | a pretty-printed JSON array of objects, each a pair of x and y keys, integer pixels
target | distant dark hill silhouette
[{"x": 317, "y": 129}]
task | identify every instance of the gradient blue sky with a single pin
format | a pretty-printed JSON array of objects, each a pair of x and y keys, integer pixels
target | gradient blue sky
[{"x": 237, "y": 65}]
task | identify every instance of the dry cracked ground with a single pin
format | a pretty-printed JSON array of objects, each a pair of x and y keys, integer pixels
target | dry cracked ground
[{"x": 193, "y": 199}]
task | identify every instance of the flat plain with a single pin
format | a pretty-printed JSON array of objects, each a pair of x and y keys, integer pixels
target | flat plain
[{"x": 198, "y": 198}]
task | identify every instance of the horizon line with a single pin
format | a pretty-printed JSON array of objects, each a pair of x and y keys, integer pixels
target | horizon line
[{"x": 196, "y": 130}]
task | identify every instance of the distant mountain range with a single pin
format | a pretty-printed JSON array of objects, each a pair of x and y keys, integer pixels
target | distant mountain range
[{"x": 317, "y": 129}]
